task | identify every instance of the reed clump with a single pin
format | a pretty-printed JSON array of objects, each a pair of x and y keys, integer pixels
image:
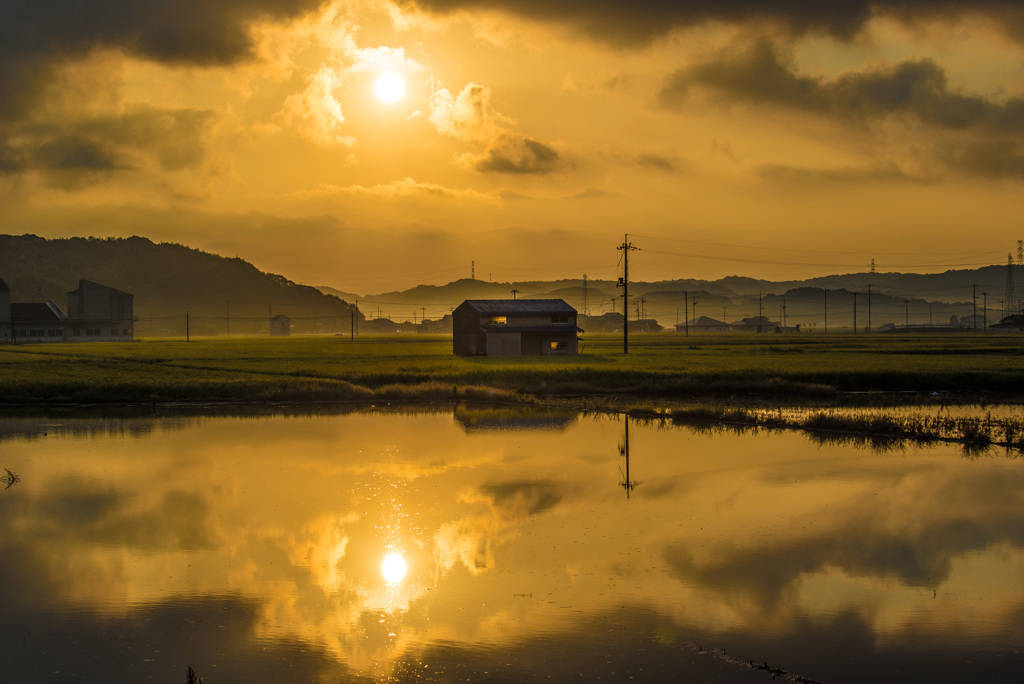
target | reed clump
[{"x": 879, "y": 429}]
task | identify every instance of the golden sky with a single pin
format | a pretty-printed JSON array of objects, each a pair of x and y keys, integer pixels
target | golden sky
[{"x": 783, "y": 139}]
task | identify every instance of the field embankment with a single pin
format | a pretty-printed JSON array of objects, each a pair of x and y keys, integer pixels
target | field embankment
[{"x": 665, "y": 366}]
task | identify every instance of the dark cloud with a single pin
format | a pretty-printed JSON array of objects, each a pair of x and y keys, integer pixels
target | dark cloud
[
  {"x": 74, "y": 153},
  {"x": 803, "y": 176},
  {"x": 922, "y": 555},
  {"x": 37, "y": 36},
  {"x": 980, "y": 136},
  {"x": 914, "y": 88},
  {"x": 520, "y": 498},
  {"x": 180, "y": 520},
  {"x": 514, "y": 154},
  {"x": 656, "y": 161},
  {"x": 986, "y": 159},
  {"x": 640, "y": 22}
]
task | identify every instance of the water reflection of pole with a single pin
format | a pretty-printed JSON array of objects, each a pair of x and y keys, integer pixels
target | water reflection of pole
[{"x": 627, "y": 484}]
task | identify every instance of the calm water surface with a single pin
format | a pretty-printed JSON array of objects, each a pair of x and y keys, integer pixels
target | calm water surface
[{"x": 481, "y": 545}]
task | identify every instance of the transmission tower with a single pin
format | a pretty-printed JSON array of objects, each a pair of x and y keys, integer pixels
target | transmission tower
[
  {"x": 1020, "y": 251},
  {"x": 585, "y": 304},
  {"x": 1010, "y": 304},
  {"x": 873, "y": 266}
]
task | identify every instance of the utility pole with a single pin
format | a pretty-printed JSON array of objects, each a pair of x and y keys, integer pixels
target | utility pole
[
  {"x": 869, "y": 300},
  {"x": 984, "y": 312},
  {"x": 472, "y": 270},
  {"x": 514, "y": 293},
  {"x": 824, "y": 292},
  {"x": 760, "y": 312},
  {"x": 626, "y": 247},
  {"x": 906, "y": 307},
  {"x": 686, "y": 311},
  {"x": 585, "y": 303},
  {"x": 974, "y": 302},
  {"x": 186, "y": 326},
  {"x": 854, "y": 312}
]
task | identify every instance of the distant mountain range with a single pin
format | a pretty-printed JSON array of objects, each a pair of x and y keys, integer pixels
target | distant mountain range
[
  {"x": 881, "y": 298},
  {"x": 229, "y": 294}
]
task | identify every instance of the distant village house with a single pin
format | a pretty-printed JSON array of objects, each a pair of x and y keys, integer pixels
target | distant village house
[
  {"x": 703, "y": 324},
  {"x": 94, "y": 313},
  {"x": 280, "y": 326},
  {"x": 514, "y": 327}
]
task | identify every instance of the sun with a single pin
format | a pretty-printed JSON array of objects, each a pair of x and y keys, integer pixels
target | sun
[
  {"x": 393, "y": 568},
  {"x": 390, "y": 87}
]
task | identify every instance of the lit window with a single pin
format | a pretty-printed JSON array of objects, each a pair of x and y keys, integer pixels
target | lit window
[
  {"x": 558, "y": 346},
  {"x": 498, "y": 320}
]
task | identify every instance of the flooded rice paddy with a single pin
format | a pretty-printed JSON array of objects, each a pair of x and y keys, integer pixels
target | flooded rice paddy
[{"x": 499, "y": 545}]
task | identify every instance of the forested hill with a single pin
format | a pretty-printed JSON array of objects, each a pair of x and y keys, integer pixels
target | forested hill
[{"x": 167, "y": 280}]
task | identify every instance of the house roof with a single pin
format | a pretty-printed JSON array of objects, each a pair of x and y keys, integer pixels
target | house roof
[
  {"x": 497, "y": 307},
  {"x": 82, "y": 283},
  {"x": 703, "y": 321},
  {"x": 1012, "y": 321},
  {"x": 24, "y": 312}
]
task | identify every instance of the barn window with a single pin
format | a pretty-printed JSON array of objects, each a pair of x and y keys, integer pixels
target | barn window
[
  {"x": 559, "y": 319},
  {"x": 558, "y": 346},
  {"x": 498, "y": 320}
]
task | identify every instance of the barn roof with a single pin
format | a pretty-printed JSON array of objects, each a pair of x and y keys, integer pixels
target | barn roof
[
  {"x": 497, "y": 307},
  {"x": 82, "y": 284},
  {"x": 34, "y": 311}
]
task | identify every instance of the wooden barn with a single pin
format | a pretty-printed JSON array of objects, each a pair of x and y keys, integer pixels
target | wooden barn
[{"x": 514, "y": 327}]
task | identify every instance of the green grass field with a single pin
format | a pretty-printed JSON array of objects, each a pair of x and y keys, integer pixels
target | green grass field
[{"x": 658, "y": 365}]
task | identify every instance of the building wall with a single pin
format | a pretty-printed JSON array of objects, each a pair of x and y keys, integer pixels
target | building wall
[
  {"x": 97, "y": 312},
  {"x": 504, "y": 344},
  {"x": 531, "y": 321},
  {"x": 556, "y": 343},
  {"x": 5, "y": 316},
  {"x": 474, "y": 333},
  {"x": 467, "y": 339},
  {"x": 92, "y": 300}
]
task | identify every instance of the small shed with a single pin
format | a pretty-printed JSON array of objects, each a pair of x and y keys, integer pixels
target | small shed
[
  {"x": 280, "y": 326},
  {"x": 514, "y": 327}
]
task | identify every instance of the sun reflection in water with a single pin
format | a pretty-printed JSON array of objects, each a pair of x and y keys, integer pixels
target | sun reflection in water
[{"x": 393, "y": 568}]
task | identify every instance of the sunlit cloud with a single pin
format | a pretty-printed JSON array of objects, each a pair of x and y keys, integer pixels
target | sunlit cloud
[
  {"x": 467, "y": 116},
  {"x": 316, "y": 111},
  {"x": 407, "y": 188}
]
